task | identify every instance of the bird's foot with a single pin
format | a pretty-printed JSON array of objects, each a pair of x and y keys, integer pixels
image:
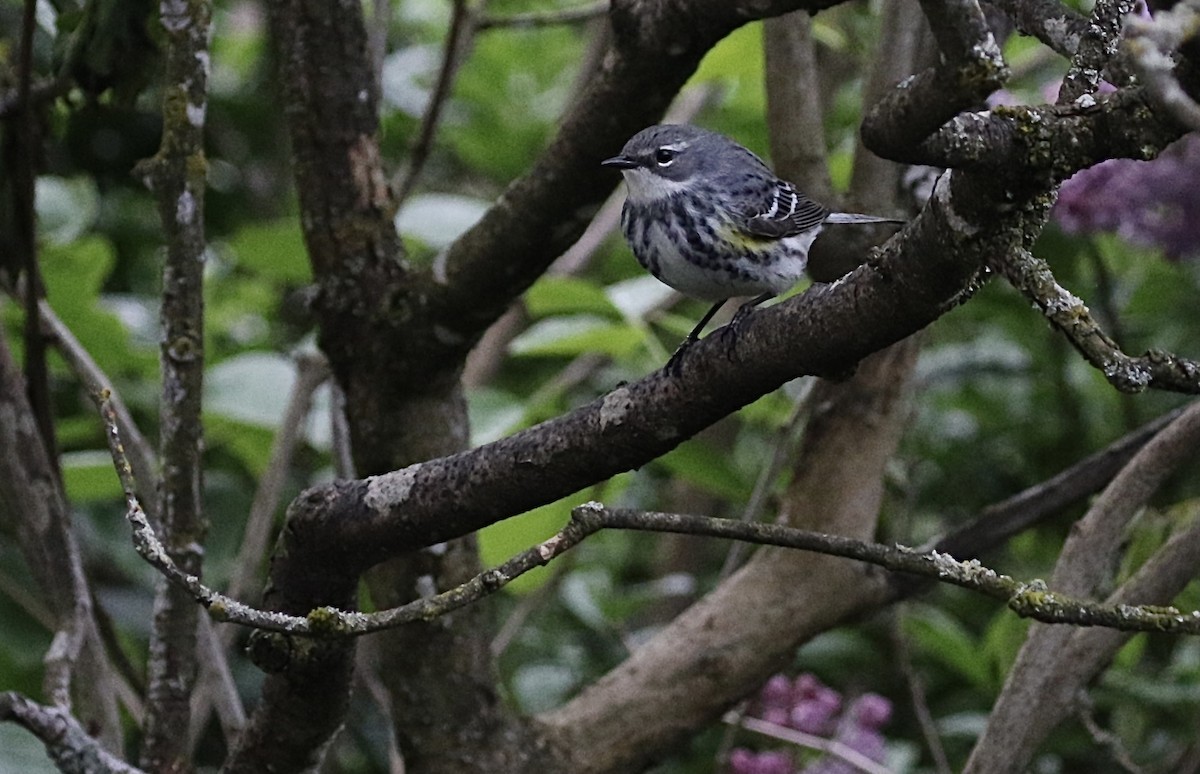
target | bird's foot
[{"x": 673, "y": 366}]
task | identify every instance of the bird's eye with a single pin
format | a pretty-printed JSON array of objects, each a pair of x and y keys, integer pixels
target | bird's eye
[{"x": 664, "y": 156}]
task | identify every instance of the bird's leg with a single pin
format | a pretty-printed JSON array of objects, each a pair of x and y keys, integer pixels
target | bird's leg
[
  {"x": 746, "y": 308},
  {"x": 672, "y": 366}
]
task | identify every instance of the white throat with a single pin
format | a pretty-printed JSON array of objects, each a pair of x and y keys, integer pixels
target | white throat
[{"x": 645, "y": 186}]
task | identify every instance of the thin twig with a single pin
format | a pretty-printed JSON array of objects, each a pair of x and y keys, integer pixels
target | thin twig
[
  {"x": 526, "y": 607},
  {"x": 458, "y": 42},
  {"x": 535, "y": 19},
  {"x": 215, "y": 689},
  {"x": 785, "y": 446},
  {"x": 916, "y": 692},
  {"x": 813, "y": 742},
  {"x": 1152, "y": 44},
  {"x": 1104, "y": 738},
  {"x": 311, "y": 371},
  {"x": 1030, "y": 599},
  {"x": 1067, "y": 312},
  {"x": 141, "y": 454}
]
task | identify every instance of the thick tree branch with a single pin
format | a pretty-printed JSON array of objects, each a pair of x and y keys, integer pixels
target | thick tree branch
[
  {"x": 1087, "y": 560},
  {"x": 1028, "y": 599},
  {"x": 1051, "y": 141},
  {"x": 972, "y": 69},
  {"x": 657, "y": 46},
  {"x": 1051, "y": 22}
]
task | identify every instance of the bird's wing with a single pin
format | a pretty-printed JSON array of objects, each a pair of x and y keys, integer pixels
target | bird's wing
[{"x": 784, "y": 212}]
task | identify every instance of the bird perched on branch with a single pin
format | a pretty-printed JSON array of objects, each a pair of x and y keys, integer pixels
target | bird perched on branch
[{"x": 707, "y": 217}]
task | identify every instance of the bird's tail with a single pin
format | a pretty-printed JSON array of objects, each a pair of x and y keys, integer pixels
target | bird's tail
[{"x": 854, "y": 217}]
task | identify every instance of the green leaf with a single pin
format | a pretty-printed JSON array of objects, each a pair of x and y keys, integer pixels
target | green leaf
[
  {"x": 274, "y": 250},
  {"x": 89, "y": 477},
  {"x": 439, "y": 219},
  {"x": 74, "y": 274},
  {"x": 252, "y": 388},
  {"x": 249, "y": 444},
  {"x": 503, "y": 540},
  {"x": 577, "y": 335},
  {"x": 703, "y": 466},
  {"x": 66, "y": 207},
  {"x": 494, "y": 414},
  {"x": 938, "y": 637},
  {"x": 568, "y": 295}
]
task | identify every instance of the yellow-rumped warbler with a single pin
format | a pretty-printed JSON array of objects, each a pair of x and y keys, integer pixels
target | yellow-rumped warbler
[{"x": 707, "y": 217}]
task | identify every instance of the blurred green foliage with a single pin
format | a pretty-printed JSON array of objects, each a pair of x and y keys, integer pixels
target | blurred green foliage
[{"x": 1001, "y": 402}]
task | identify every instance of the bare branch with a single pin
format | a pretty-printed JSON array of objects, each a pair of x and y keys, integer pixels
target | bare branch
[
  {"x": 215, "y": 688},
  {"x": 69, "y": 746},
  {"x": 458, "y": 45},
  {"x": 916, "y": 692},
  {"x": 974, "y": 68},
  {"x": 553, "y": 18},
  {"x": 998, "y": 522},
  {"x": 1027, "y": 599},
  {"x": 33, "y": 506},
  {"x": 1152, "y": 44},
  {"x": 1097, "y": 47},
  {"x": 176, "y": 176},
  {"x": 1020, "y": 722},
  {"x": 831, "y": 747},
  {"x": 1053, "y": 23},
  {"x": 141, "y": 454},
  {"x": 1067, "y": 312},
  {"x": 311, "y": 372},
  {"x": 1089, "y": 555}
]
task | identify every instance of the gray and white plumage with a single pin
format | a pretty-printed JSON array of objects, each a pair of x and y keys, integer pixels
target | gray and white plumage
[{"x": 707, "y": 216}]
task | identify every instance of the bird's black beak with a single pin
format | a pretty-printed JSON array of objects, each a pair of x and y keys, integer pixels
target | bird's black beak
[{"x": 619, "y": 162}]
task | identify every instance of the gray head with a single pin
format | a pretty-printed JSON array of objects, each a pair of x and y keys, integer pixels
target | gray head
[{"x": 663, "y": 159}]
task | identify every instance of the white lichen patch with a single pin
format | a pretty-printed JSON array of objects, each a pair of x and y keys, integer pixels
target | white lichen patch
[
  {"x": 615, "y": 407},
  {"x": 1058, "y": 28},
  {"x": 174, "y": 15},
  {"x": 1064, "y": 301},
  {"x": 391, "y": 489},
  {"x": 426, "y": 587},
  {"x": 941, "y": 194},
  {"x": 196, "y": 113},
  {"x": 185, "y": 209}
]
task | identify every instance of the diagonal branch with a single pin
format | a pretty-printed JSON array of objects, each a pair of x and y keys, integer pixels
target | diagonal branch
[
  {"x": 1067, "y": 312},
  {"x": 1152, "y": 44},
  {"x": 67, "y": 742},
  {"x": 972, "y": 70}
]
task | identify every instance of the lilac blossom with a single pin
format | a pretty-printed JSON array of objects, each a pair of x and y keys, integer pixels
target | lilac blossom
[
  {"x": 1152, "y": 203},
  {"x": 807, "y": 705}
]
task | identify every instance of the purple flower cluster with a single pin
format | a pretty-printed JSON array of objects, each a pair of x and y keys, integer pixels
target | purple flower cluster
[
  {"x": 1153, "y": 203},
  {"x": 809, "y": 706}
]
